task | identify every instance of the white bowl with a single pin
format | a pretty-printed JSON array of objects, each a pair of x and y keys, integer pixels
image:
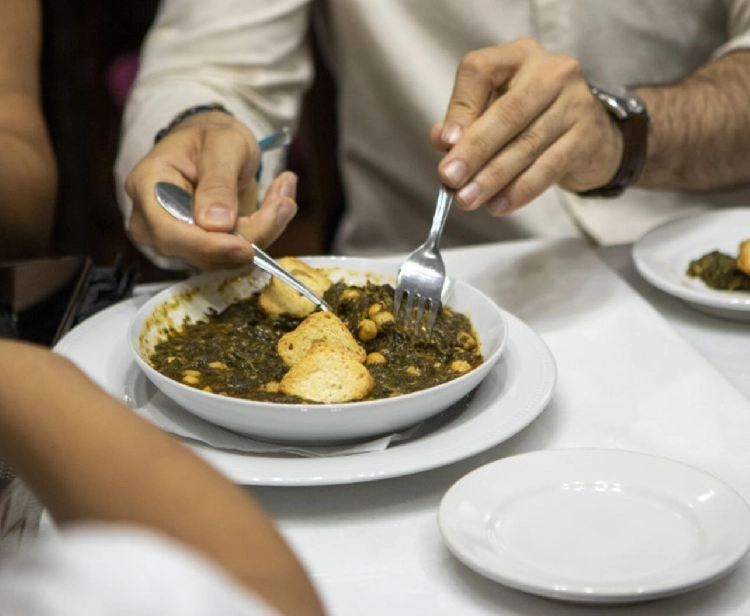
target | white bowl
[{"x": 308, "y": 423}]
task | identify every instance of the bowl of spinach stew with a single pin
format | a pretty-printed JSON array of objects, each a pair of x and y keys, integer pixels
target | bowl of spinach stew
[{"x": 207, "y": 345}]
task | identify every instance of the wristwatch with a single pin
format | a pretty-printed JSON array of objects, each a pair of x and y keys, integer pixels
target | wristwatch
[{"x": 631, "y": 115}]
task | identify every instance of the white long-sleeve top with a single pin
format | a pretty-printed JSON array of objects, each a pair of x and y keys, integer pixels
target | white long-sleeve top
[
  {"x": 115, "y": 570},
  {"x": 394, "y": 62}
]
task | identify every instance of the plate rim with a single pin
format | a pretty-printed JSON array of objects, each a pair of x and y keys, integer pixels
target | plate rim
[
  {"x": 578, "y": 594},
  {"x": 707, "y": 297},
  {"x": 543, "y": 377}
]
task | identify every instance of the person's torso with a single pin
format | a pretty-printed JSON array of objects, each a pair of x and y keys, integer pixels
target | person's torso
[{"x": 395, "y": 60}]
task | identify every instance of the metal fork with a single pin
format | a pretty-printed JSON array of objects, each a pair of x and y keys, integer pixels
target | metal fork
[{"x": 422, "y": 276}]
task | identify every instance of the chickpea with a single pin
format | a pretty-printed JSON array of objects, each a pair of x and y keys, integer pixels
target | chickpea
[
  {"x": 374, "y": 309},
  {"x": 466, "y": 341},
  {"x": 217, "y": 365},
  {"x": 383, "y": 318},
  {"x": 348, "y": 295},
  {"x": 191, "y": 373},
  {"x": 375, "y": 358},
  {"x": 460, "y": 366},
  {"x": 272, "y": 387},
  {"x": 208, "y": 389},
  {"x": 191, "y": 379},
  {"x": 413, "y": 371},
  {"x": 366, "y": 330}
]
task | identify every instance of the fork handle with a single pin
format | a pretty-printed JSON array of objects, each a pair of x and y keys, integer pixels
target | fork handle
[{"x": 442, "y": 208}]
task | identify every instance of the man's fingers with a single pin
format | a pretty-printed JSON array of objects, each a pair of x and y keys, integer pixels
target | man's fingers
[
  {"x": 514, "y": 117},
  {"x": 436, "y": 137},
  {"x": 224, "y": 156},
  {"x": 479, "y": 76},
  {"x": 547, "y": 169},
  {"x": 472, "y": 89},
  {"x": 519, "y": 154}
]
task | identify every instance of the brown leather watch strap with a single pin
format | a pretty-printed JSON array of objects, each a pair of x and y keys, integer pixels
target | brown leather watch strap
[{"x": 630, "y": 114}]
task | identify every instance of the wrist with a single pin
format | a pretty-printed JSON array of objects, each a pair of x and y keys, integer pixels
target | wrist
[
  {"x": 189, "y": 113},
  {"x": 631, "y": 119}
]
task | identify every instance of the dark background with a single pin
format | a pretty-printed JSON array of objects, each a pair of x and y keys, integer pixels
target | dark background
[{"x": 85, "y": 44}]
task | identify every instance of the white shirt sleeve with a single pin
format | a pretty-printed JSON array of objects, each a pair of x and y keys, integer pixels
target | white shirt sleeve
[
  {"x": 118, "y": 571},
  {"x": 738, "y": 26},
  {"x": 250, "y": 55}
]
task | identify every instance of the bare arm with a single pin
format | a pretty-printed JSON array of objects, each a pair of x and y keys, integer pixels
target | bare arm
[
  {"x": 87, "y": 457},
  {"x": 700, "y": 128},
  {"x": 27, "y": 165}
]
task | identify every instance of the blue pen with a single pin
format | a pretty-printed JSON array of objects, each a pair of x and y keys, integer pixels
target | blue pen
[{"x": 279, "y": 139}]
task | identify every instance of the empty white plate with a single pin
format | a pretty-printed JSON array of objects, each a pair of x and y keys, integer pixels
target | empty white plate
[{"x": 595, "y": 525}]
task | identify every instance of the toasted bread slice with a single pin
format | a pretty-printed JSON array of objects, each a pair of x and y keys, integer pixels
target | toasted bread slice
[
  {"x": 743, "y": 261},
  {"x": 328, "y": 375},
  {"x": 324, "y": 326},
  {"x": 279, "y": 298}
]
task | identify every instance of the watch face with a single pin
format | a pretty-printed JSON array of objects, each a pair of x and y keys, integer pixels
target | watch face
[
  {"x": 621, "y": 103},
  {"x": 615, "y": 105},
  {"x": 635, "y": 104}
]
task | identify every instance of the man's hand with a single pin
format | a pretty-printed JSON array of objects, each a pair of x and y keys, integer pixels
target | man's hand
[
  {"x": 521, "y": 119},
  {"x": 214, "y": 156}
]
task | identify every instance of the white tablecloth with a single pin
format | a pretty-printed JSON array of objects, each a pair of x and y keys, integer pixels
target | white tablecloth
[{"x": 628, "y": 378}]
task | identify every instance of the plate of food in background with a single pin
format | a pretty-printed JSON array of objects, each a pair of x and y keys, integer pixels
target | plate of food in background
[{"x": 703, "y": 260}]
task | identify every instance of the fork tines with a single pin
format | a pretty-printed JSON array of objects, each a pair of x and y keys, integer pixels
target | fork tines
[{"x": 413, "y": 314}]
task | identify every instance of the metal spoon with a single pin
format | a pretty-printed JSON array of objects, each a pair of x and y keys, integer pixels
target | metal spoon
[{"x": 179, "y": 203}]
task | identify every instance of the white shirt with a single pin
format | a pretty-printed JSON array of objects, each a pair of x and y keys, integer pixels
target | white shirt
[
  {"x": 394, "y": 62},
  {"x": 118, "y": 571}
]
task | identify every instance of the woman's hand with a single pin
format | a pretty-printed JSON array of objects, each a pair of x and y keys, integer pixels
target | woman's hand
[
  {"x": 214, "y": 156},
  {"x": 521, "y": 119}
]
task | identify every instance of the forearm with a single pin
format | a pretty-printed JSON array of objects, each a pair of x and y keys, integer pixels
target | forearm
[
  {"x": 27, "y": 165},
  {"x": 700, "y": 128},
  {"x": 27, "y": 196},
  {"x": 89, "y": 458},
  {"x": 184, "y": 63}
]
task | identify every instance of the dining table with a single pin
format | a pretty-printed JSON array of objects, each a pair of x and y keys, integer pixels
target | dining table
[{"x": 636, "y": 370}]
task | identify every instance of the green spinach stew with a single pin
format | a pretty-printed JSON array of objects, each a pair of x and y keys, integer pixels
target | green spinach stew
[{"x": 234, "y": 352}]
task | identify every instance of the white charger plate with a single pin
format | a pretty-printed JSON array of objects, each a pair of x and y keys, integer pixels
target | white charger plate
[
  {"x": 663, "y": 254},
  {"x": 512, "y": 395},
  {"x": 595, "y": 525}
]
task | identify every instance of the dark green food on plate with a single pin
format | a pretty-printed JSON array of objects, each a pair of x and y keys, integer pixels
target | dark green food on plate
[
  {"x": 234, "y": 352},
  {"x": 719, "y": 270}
]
